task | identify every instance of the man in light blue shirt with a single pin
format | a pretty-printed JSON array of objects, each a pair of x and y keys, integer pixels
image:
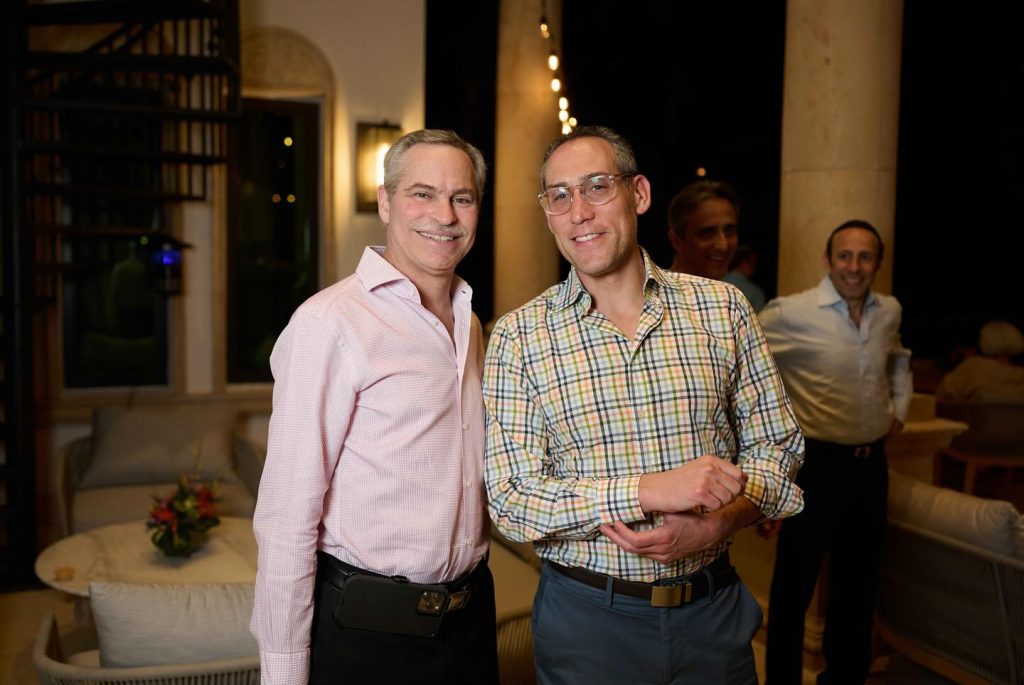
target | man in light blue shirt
[
  {"x": 741, "y": 275},
  {"x": 848, "y": 376}
]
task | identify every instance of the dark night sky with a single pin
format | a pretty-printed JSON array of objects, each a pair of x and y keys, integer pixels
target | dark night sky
[{"x": 700, "y": 84}]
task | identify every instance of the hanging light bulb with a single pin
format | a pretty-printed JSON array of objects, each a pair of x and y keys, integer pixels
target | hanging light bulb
[
  {"x": 544, "y": 32},
  {"x": 552, "y": 61},
  {"x": 563, "y": 116},
  {"x": 572, "y": 121},
  {"x": 556, "y": 85},
  {"x": 563, "y": 103},
  {"x": 566, "y": 129}
]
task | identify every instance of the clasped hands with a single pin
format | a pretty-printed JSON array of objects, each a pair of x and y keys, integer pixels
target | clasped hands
[{"x": 688, "y": 496}]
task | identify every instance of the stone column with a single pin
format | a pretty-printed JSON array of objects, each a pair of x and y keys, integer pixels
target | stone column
[
  {"x": 525, "y": 255},
  {"x": 839, "y": 130}
]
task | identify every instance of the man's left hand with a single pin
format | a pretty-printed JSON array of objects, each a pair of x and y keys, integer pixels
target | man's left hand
[{"x": 682, "y": 534}]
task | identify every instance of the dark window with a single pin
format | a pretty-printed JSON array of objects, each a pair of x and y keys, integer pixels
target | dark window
[
  {"x": 111, "y": 204},
  {"x": 273, "y": 239}
]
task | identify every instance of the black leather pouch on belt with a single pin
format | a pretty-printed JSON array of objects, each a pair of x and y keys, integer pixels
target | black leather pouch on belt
[{"x": 391, "y": 605}]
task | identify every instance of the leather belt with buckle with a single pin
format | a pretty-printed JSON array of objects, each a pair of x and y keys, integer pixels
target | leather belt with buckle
[
  {"x": 856, "y": 451},
  {"x": 672, "y": 592},
  {"x": 433, "y": 601}
]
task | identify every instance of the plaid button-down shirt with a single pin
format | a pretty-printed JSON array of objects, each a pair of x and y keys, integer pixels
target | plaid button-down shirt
[{"x": 576, "y": 412}]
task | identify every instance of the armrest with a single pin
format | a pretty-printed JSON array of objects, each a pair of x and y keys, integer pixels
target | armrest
[
  {"x": 72, "y": 461},
  {"x": 249, "y": 463}
]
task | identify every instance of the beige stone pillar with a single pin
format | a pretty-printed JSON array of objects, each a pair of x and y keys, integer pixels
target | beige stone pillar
[
  {"x": 839, "y": 130},
  {"x": 525, "y": 256}
]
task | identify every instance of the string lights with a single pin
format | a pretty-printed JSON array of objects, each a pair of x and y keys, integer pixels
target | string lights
[{"x": 568, "y": 121}]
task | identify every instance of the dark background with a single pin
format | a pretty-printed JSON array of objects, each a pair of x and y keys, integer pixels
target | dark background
[{"x": 700, "y": 85}]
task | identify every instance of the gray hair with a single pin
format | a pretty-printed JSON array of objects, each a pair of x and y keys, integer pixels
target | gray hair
[
  {"x": 431, "y": 136},
  {"x": 1000, "y": 337},
  {"x": 622, "y": 152}
]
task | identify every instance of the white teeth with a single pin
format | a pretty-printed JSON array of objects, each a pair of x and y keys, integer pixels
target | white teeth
[
  {"x": 586, "y": 238},
  {"x": 439, "y": 238}
]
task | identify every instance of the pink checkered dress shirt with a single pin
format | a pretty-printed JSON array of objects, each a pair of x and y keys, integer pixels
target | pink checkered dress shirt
[{"x": 375, "y": 452}]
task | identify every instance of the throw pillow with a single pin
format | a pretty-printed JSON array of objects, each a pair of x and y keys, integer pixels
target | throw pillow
[
  {"x": 158, "y": 444},
  {"x": 152, "y": 625},
  {"x": 993, "y": 524}
]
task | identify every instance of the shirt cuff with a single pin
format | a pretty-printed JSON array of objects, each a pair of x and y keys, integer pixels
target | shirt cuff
[
  {"x": 774, "y": 497},
  {"x": 284, "y": 669},
  {"x": 619, "y": 500}
]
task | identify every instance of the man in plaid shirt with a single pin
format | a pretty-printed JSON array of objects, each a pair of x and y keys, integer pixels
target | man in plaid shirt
[{"x": 635, "y": 421}]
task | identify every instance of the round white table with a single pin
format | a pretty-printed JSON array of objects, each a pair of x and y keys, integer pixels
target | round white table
[{"x": 123, "y": 552}]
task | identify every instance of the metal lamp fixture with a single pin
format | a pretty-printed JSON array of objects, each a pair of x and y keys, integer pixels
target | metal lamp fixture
[{"x": 372, "y": 141}]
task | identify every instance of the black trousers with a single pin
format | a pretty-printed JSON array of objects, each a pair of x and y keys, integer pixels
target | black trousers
[
  {"x": 463, "y": 653},
  {"x": 845, "y": 500}
]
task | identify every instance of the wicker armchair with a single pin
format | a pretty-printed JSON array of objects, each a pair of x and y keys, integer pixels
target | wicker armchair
[{"x": 71, "y": 659}]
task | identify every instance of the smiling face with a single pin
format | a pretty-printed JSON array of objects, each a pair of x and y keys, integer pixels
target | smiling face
[
  {"x": 709, "y": 239},
  {"x": 853, "y": 263},
  {"x": 431, "y": 217},
  {"x": 599, "y": 240}
]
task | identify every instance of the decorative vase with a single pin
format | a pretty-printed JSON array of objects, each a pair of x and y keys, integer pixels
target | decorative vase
[
  {"x": 183, "y": 543},
  {"x": 180, "y": 520}
]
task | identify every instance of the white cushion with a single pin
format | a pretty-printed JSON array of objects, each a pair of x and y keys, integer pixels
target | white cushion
[
  {"x": 97, "y": 507},
  {"x": 154, "y": 625},
  {"x": 159, "y": 444},
  {"x": 993, "y": 524}
]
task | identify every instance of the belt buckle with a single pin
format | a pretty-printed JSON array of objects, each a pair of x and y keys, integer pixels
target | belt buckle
[
  {"x": 671, "y": 595},
  {"x": 862, "y": 451},
  {"x": 459, "y": 599},
  {"x": 431, "y": 603}
]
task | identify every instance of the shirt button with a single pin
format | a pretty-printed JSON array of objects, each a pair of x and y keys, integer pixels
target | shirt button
[
  {"x": 469, "y": 542},
  {"x": 468, "y": 483},
  {"x": 465, "y": 426}
]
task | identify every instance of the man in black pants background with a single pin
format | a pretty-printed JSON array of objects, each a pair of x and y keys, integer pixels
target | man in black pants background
[{"x": 848, "y": 376}]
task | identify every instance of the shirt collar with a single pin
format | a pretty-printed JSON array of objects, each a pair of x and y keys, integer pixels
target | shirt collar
[
  {"x": 828, "y": 296},
  {"x": 374, "y": 271},
  {"x": 571, "y": 289}
]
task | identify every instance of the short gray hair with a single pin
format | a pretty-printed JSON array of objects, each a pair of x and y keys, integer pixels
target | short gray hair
[
  {"x": 622, "y": 151},
  {"x": 1000, "y": 337},
  {"x": 431, "y": 136}
]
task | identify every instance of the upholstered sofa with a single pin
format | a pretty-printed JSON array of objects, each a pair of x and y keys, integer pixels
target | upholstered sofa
[
  {"x": 154, "y": 635},
  {"x": 133, "y": 454},
  {"x": 951, "y": 596}
]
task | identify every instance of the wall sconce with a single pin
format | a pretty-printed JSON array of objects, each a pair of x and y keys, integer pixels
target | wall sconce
[{"x": 372, "y": 141}]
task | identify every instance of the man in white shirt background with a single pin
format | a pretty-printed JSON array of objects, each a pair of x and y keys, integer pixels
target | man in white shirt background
[{"x": 848, "y": 375}]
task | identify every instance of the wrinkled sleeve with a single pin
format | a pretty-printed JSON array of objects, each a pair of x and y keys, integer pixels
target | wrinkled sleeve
[
  {"x": 901, "y": 379},
  {"x": 769, "y": 441},
  {"x": 313, "y": 400},
  {"x": 525, "y": 500}
]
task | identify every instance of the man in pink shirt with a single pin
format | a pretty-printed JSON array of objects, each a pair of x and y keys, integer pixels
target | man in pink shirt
[{"x": 370, "y": 521}]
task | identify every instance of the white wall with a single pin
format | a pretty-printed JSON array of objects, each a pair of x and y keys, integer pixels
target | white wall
[{"x": 376, "y": 51}]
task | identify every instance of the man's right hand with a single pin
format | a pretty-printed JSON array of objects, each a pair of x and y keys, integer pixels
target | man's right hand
[{"x": 707, "y": 482}]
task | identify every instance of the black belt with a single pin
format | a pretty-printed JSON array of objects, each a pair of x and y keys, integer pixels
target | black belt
[
  {"x": 856, "y": 451},
  {"x": 671, "y": 592},
  {"x": 336, "y": 571}
]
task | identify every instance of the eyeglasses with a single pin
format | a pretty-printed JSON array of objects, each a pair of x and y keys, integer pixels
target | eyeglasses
[{"x": 596, "y": 190}]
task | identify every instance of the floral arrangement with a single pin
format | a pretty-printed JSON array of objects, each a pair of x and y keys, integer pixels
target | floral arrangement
[{"x": 180, "y": 520}]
